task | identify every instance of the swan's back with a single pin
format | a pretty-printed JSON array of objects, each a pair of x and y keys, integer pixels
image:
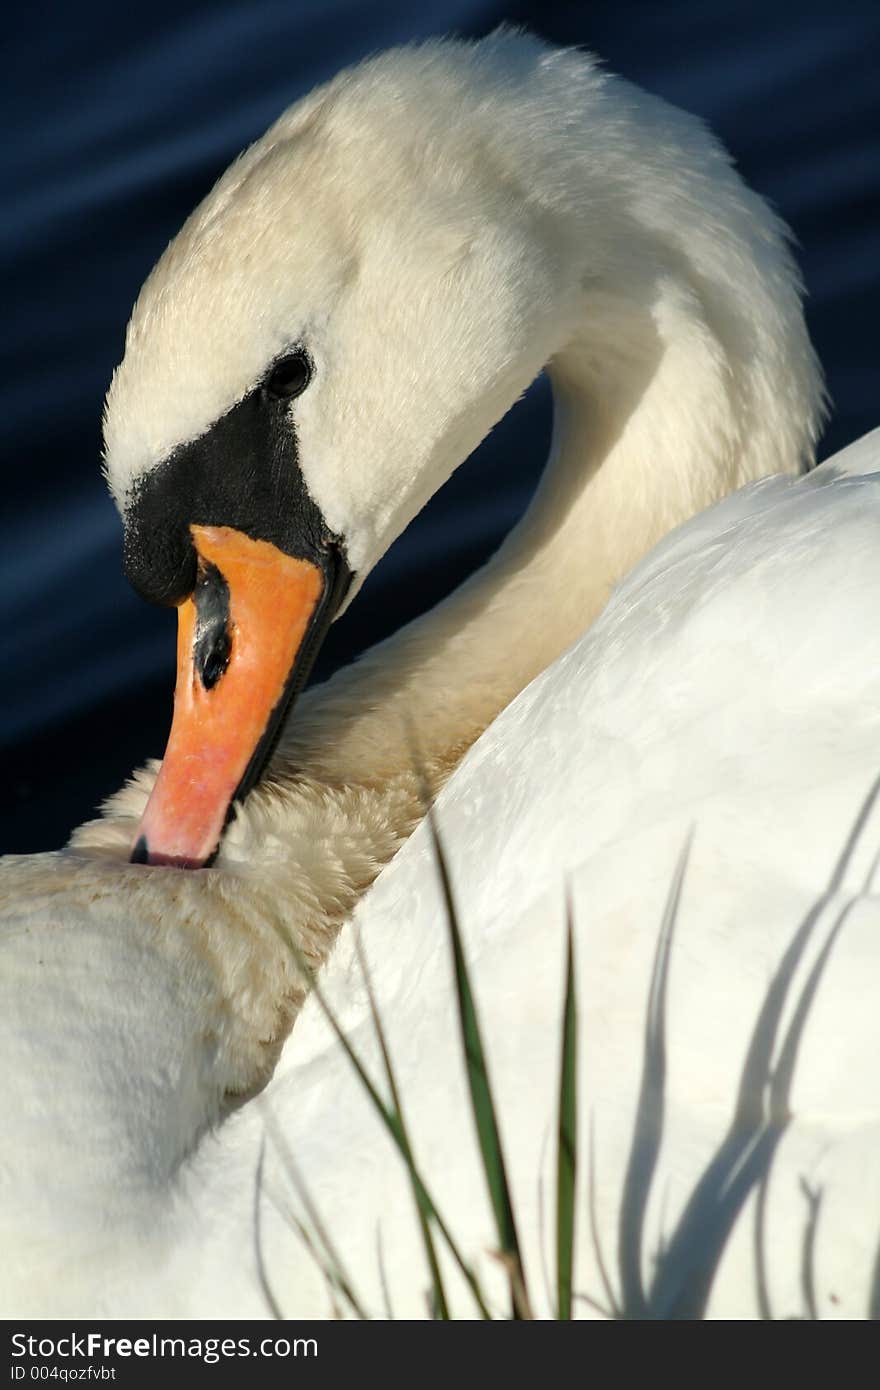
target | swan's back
[
  {"x": 724, "y": 702},
  {"x": 719, "y": 723},
  {"x": 721, "y": 716}
]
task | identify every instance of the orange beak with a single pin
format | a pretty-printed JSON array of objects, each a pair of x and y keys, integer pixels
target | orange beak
[{"x": 241, "y": 643}]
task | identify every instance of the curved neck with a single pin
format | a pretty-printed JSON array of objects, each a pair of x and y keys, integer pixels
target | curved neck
[
  {"x": 655, "y": 417},
  {"x": 657, "y": 290}
]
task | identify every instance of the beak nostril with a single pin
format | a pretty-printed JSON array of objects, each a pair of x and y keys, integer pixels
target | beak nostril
[
  {"x": 212, "y": 646},
  {"x": 212, "y": 661}
]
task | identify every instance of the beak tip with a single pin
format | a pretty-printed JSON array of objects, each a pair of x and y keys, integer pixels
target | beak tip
[
  {"x": 142, "y": 854},
  {"x": 245, "y": 642}
]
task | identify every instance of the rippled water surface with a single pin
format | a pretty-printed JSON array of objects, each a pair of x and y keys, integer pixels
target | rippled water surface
[{"x": 119, "y": 118}]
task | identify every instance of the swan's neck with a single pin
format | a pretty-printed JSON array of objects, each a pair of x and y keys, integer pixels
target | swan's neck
[
  {"x": 626, "y": 256},
  {"x": 656, "y": 415},
  {"x": 670, "y": 323},
  {"x": 670, "y": 390}
]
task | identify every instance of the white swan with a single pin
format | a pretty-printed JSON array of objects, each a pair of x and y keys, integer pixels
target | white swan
[{"x": 399, "y": 256}]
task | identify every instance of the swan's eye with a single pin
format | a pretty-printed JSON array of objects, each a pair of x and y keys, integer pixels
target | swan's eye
[{"x": 289, "y": 377}]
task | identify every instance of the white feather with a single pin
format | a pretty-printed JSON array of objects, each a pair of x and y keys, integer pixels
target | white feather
[{"x": 440, "y": 224}]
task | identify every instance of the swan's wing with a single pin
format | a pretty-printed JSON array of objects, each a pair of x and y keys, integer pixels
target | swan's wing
[
  {"x": 730, "y": 695},
  {"x": 117, "y": 1027},
  {"x": 728, "y": 700}
]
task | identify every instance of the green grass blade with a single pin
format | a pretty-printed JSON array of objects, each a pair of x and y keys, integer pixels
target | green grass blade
[
  {"x": 330, "y": 1261},
  {"x": 320, "y": 1260},
  {"x": 439, "y": 1304},
  {"x": 613, "y": 1310},
  {"x": 393, "y": 1124},
  {"x": 482, "y": 1102},
  {"x": 383, "y": 1277},
  {"x": 566, "y": 1163},
  {"x": 262, "y": 1274}
]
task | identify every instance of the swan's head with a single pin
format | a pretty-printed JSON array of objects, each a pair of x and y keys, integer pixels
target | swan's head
[{"x": 362, "y": 296}]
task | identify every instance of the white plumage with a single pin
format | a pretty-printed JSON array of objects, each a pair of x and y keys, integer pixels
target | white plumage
[{"x": 532, "y": 211}]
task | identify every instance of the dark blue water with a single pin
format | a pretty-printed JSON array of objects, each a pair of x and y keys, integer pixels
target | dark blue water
[{"x": 118, "y": 120}]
